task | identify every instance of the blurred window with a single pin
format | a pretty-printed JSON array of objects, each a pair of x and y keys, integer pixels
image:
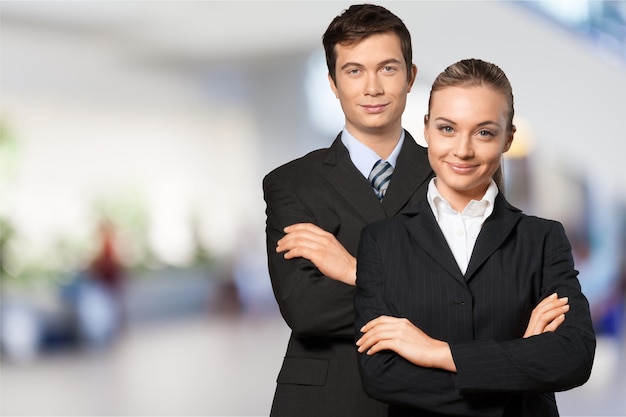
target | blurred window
[{"x": 601, "y": 22}]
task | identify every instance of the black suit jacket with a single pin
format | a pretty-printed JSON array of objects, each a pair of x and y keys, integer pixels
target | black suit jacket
[
  {"x": 319, "y": 375},
  {"x": 406, "y": 269}
]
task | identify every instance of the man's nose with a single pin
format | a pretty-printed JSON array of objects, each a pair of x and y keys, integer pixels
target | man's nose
[{"x": 373, "y": 86}]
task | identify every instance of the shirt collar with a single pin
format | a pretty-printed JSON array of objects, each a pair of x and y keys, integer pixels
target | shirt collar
[
  {"x": 484, "y": 207},
  {"x": 363, "y": 157}
]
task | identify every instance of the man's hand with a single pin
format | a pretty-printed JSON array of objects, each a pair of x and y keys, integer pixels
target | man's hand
[
  {"x": 547, "y": 316},
  {"x": 407, "y": 340},
  {"x": 309, "y": 241}
]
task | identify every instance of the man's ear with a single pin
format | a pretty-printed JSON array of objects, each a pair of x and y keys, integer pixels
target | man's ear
[
  {"x": 333, "y": 86},
  {"x": 413, "y": 77}
]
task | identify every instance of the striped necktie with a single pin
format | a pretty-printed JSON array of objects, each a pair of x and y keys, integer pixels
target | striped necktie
[{"x": 380, "y": 177}]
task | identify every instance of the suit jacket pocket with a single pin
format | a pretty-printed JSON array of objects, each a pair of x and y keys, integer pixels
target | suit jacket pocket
[{"x": 303, "y": 371}]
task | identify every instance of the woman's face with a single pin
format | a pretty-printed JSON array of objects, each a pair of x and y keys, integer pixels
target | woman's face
[{"x": 466, "y": 135}]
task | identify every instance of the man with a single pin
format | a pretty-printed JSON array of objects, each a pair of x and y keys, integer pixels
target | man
[{"x": 318, "y": 204}]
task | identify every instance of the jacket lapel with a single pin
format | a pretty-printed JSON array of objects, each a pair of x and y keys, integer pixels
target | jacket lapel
[
  {"x": 412, "y": 170},
  {"x": 493, "y": 233},
  {"x": 351, "y": 185},
  {"x": 424, "y": 228}
]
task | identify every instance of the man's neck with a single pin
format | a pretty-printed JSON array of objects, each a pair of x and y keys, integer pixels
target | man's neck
[{"x": 383, "y": 143}]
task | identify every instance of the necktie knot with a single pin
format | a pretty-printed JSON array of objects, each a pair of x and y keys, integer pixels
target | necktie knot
[{"x": 380, "y": 176}]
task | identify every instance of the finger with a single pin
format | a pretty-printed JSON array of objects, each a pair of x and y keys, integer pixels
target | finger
[
  {"x": 382, "y": 345},
  {"x": 540, "y": 319},
  {"x": 383, "y": 336},
  {"x": 295, "y": 235},
  {"x": 294, "y": 242},
  {"x": 555, "y": 323},
  {"x": 366, "y": 342},
  {"x": 548, "y": 305},
  {"x": 303, "y": 237},
  {"x": 372, "y": 323},
  {"x": 374, "y": 335},
  {"x": 551, "y": 311},
  {"x": 305, "y": 227},
  {"x": 380, "y": 332},
  {"x": 554, "y": 313},
  {"x": 547, "y": 300},
  {"x": 297, "y": 226}
]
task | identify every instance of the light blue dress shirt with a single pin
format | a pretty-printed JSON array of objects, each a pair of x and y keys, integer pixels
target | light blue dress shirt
[{"x": 363, "y": 157}]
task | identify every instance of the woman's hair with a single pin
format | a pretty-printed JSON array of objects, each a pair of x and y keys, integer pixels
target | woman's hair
[
  {"x": 357, "y": 23},
  {"x": 477, "y": 73}
]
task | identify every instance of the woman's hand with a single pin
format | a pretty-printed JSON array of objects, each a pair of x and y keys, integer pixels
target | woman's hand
[
  {"x": 547, "y": 316},
  {"x": 407, "y": 340}
]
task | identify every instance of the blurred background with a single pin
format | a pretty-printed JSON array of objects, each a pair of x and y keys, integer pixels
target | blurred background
[{"x": 134, "y": 280}]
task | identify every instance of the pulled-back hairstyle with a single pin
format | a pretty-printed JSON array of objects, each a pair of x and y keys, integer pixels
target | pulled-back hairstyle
[
  {"x": 477, "y": 73},
  {"x": 357, "y": 23}
]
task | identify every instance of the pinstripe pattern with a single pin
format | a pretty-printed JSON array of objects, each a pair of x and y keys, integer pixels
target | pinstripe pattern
[{"x": 406, "y": 269}]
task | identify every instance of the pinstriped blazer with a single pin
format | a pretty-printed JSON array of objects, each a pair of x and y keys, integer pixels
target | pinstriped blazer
[
  {"x": 406, "y": 269},
  {"x": 319, "y": 375}
]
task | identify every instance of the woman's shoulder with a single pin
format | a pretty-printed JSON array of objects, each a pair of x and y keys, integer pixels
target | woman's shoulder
[{"x": 388, "y": 227}]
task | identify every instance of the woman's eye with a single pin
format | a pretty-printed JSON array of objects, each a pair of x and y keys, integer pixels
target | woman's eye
[
  {"x": 446, "y": 129},
  {"x": 485, "y": 133}
]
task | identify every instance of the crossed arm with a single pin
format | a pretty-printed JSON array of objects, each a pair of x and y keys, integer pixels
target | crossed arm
[
  {"x": 311, "y": 242},
  {"x": 410, "y": 342},
  {"x": 490, "y": 352}
]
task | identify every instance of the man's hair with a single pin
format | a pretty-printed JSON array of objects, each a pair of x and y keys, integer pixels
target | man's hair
[{"x": 357, "y": 23}]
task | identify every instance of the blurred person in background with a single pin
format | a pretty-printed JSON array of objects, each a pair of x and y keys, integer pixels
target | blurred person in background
[
  {"x": 106, "y": 267},
  {"x": 96, "y": 293},
  {"x": 445, "y": 292},
  {"x": 318, "y": 204}
]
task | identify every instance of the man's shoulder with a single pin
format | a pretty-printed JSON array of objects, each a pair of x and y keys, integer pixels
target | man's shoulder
[
  {"x": 310, "y": 159},
  {"x": 305, "y": 165}
]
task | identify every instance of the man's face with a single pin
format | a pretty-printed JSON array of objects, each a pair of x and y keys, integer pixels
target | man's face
[{"x": 372, "y": 85}]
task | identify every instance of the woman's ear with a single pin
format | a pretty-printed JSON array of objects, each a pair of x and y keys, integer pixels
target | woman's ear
[
  {"x": 509, "y": 140},
  {"x": 426, "y": 128}
]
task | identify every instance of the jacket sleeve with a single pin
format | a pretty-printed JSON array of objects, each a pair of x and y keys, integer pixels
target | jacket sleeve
[
  {"x": 311, "y": 303},
  {"x": 387, "y": 376},
  {"x": 553, "y": 361},
  {"x": 487, "y": 371}
]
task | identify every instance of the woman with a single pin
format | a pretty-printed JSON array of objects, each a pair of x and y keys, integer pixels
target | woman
[{"x": 445, "y": 292}]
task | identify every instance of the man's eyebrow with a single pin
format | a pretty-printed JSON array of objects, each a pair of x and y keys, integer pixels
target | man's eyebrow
[
  {"x": 380, "y": 64},
  {"x": 390, "y": 61},
  {"x": 351, "y": 64}
]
